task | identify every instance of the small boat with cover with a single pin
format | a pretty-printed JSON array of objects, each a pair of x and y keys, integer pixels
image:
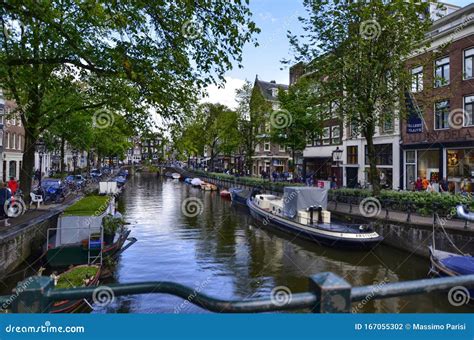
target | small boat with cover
[{"x": 303, "y": 211}]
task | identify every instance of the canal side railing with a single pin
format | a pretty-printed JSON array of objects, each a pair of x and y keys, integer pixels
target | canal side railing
[{"x": 328, "y": 293}]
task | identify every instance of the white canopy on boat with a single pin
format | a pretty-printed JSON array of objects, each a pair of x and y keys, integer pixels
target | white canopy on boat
[
  {"x": 196, "y": 181},
  {"x": 301, "y": 198}
]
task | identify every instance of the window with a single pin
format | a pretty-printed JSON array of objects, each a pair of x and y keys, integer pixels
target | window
[
  {"x": 442, "y": 72},
  {"x": 383, "y": 154},
  {"x": 469, "y": 111},
  {"x": 326, "y": 136},
  {"x": 335, "y": 134},
  {"x": 441, "y": 115},
  {"x": 274, "y": 92},
  {"x": 468, "y": 63},
  {"x": 19, "y": 142},
  {"x": 282, "y": 148},
  {"x": 387, "y": 123},
  {"x": 417, "y": 79},
  {"x": 7, "y": 137},
  {"x": 257, "y": 147},
  {"x": 309, "y": 141},
  {"x": 353, "y": 130},
  {"x": 352, "y": 157},
  {"x": 266, "y": 147}
]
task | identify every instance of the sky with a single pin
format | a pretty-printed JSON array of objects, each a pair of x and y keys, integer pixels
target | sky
[{"x": 274, "y": 18}]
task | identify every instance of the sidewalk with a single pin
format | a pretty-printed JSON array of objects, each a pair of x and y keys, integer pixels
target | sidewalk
[
  {"x": 400, "y": 216},
  {"x": 34, "y": 215}
]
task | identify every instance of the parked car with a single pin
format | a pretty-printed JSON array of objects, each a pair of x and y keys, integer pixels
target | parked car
[
  {"x": 77, "y": 180},
  {"x": 96, "y": 173},
  {"x": 53, "y": 189}
]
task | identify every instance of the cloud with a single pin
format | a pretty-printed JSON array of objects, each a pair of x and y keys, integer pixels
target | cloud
[{"x": 225, "y": 95}]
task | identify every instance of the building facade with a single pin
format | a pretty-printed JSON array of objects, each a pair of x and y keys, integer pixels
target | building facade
[
  {"x": 269, "y": 157},
  {"x": 438, "y": 134}
]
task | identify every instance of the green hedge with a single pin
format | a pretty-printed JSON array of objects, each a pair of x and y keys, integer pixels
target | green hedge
[
  {"x": 423, "y": 202},
  {"x": 250, "y": 181}
]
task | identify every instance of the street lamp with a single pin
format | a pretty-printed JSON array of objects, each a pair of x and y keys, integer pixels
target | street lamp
[
  {"x": 40, "y": 147},
  {"x": 74, "y": 160},
  {"x": 337, "y": 157}
]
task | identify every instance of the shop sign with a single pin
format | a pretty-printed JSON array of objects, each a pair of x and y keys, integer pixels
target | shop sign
[
  {"x": 465, "y": 134},
  {"x": 415, "y": 125}
]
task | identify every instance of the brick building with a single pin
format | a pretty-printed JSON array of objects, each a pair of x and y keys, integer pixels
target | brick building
[{"x": 438, "y": 134}]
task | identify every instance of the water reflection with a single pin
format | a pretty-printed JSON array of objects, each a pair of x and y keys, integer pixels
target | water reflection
[{"x": 224, "y": 253}]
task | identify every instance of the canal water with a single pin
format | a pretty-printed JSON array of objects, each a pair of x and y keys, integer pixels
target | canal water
[{"x": 223, "y": 252}]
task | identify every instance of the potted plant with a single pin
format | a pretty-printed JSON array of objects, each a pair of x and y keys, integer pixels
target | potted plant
[{"x": 110, "y": 225}]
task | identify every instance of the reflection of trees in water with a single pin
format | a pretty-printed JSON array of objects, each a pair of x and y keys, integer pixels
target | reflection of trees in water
[{"x": 245, "y": 259}]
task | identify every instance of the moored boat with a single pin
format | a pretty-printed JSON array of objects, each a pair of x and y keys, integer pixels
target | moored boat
[
  {"x": 86, "y": 232},
  {"x": 225, "y": 194},
  {"x": 196, "y": 182},
  {"x": 302, "y": 211},
  {"x": 78, "y": 276},
  {"x": 239, "y": 195},
  {"x": 208, "y": 186},
  {"x": 445, "y": 263},
  {"x": 175, "y": 175},
  {"x": 188, "y": 180}
]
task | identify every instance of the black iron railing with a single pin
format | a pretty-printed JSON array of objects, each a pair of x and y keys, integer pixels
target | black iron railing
[{"x": 328, "y": 293}]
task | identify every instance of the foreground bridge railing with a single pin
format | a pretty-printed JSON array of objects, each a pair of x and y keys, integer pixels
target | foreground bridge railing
[{"x": 328, "y": 293}]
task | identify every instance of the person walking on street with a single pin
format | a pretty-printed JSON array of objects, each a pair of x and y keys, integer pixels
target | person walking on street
[
  {"x": 13, "y": 185},
  {"x": 5, "y": 195}
]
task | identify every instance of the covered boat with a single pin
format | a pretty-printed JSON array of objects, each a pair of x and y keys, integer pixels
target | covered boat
[
  {"x": 188, "y": 180},
  {"x": 303, "y": 211},
  {"x": 175, "y": 175},
  {"x": 86, "y": 232},
  {"x": 208, "y": 186},
  {"x": 445, "y": 263},
  {"x": 239, "y": 195},
  {"x": 196, "y": 182}
]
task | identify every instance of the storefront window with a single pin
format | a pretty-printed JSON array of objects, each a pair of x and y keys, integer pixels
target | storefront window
[
  {"x": 428, "y": 164},
  {"x": 410, "y": 170},
  {"x": 461, "y": 169}
]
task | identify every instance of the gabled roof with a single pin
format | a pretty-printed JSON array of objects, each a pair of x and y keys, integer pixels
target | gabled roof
[{"x": 267, "y": 86}]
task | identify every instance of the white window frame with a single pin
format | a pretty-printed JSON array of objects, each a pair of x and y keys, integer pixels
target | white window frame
[
  {"x": 265, "y": 148},
  {"x": 464, "y": 110},
  {"x": 469, "y": 50},
  {"x": 449, "y": 71},
  {"x": 281, "y": 148},
  {"x": 417, "y": 73},
  {"x": 434, "y": 113}
]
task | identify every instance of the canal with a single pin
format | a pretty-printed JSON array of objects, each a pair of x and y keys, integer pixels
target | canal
[{"x": 223, "y": 253}]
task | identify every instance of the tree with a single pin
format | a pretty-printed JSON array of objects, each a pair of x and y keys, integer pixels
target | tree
[
  {"x": 301, "y": 115},
  {"x": 59, "y": 57},
  {"x": 356, "y": 52},
  {"x": 213, "y": 128},
  {"x": 252, "y": 108}
]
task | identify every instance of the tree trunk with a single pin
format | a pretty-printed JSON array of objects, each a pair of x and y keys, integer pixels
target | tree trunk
[
  {"x": 374, "y": 178},
  {"x": 27, "y": 164},
  {"x": 62, "y": 167}
]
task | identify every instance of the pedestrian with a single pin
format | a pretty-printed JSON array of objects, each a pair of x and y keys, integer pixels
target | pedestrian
[
  {"x": 425, "y": 183},
  {"x": 13, "y": 185},
  {"x": 418, "y": 184},
  {"x": 443, "y": 185},
  {"x": 5, "y": 195}
]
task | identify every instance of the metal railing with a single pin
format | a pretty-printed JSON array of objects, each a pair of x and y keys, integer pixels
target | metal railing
[{"x": 328, "y": 293}]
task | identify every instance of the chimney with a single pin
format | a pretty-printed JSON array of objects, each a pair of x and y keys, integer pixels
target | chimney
[{"x": 273, "y": 82}]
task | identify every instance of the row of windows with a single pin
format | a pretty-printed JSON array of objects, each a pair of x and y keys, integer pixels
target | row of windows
[
  {"x": 11, "y": 121},
  {"x": 12, "y": 140},
  {"x": 442, "y": 71},
  {"x": 267, "y": 147},
  {"x": 442, "y": 109},
  {"x": 330, "y": 135},
  {"x": 383, "y": 152}
]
